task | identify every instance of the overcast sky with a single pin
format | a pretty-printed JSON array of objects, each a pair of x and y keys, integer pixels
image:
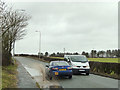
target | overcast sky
[{"x": 77, "y": 27}]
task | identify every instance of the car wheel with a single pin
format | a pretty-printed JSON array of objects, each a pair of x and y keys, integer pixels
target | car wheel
[
  {"x": 50, "y": 78},
  {"x": 87, "y": 73},
  {"x": 74, "y": 72},
  {"x": 70, "y": 77}
]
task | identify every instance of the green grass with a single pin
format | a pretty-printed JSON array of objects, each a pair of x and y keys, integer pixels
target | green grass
[
  {"x": 57, "y": 57},
  {"x": 0, "y": 77},
  {"x": 109, "y": 60},
  {"x": 9, "y": 79},
  {"x": 37, "y": 85}
]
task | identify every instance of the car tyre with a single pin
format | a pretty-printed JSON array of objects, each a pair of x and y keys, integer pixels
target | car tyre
[
  {"x": 50, "y": 78},
  {"x": 87, "y": 73},
  {"x": 74, "y": 72},
  {"x": 70, "y": 77}
]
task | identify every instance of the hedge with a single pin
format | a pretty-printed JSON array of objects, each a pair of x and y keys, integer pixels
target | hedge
[{"x": 105, "y": 69}]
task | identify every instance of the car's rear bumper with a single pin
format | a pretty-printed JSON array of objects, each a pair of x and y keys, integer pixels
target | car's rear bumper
[
  {"x": 63, "y": 73},
  {"x": 81, "y": 70}
]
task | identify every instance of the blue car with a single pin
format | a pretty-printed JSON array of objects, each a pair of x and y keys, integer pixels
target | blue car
[{"x": 58, "y": 68}]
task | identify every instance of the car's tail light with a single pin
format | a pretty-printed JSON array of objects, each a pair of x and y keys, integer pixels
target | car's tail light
[
  {"x": 54, "y": 68},
  {"x": 69, "y": 68}
]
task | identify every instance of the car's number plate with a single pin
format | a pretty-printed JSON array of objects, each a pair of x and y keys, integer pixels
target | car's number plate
[
  {"x": 62, "y": 69},
  {"x": 56, "y": 73},
  {"x": 81, "y": 70}
]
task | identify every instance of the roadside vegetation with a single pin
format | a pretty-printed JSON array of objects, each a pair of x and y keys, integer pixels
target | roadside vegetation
[
  {"x": 12, "y": 24},
  {"x": 9, "y": 76},
  {"x": 105, "y": 69},
  {"x": 115, "y": 53},
  {"x": 57, "y": 57},
  {"x": 108, "y": 60},
  {"x": 12, "y": 28},
  {"x": 0, "y": 77},
  {"x": 37, "y": 84}
]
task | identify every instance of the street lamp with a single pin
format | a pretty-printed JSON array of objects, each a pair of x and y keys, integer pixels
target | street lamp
[
  {"x": 64, "y": 50},
  {"x": 39, "y": 43}
]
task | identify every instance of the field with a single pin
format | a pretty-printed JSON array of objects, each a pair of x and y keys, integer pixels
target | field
[
  {"x": 109, "y": 60},
  {"x": 57, "y": 57}
]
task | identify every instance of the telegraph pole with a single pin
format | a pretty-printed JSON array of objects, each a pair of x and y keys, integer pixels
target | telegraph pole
[
  {"x": 64, "y": 50},
  {"x": 39, "y": 43}
]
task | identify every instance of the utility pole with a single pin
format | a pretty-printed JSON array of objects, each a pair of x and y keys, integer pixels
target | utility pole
[
  {"x": 64, "y": 50},
  {"x": 39, "y": 43}
]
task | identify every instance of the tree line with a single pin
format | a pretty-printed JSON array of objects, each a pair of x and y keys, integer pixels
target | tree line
[
  {"x": 12, "y": 28},
  {"x": 93, "y": 54},
  {"x": 102, "y": 53}
]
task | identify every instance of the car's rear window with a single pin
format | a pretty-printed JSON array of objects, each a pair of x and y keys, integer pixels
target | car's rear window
[{"x": 60, "y": 64}]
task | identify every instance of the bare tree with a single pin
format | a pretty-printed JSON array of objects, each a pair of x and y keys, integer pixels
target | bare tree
[{"x": 12, "y": 27}]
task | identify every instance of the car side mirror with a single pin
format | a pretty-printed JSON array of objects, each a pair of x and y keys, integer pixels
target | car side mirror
[
  {"x": 47, "y": 65},
  {"x": 68, "y": 60}
]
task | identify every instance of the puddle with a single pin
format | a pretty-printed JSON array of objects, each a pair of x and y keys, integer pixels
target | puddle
[{"x": 33, "y": 72}]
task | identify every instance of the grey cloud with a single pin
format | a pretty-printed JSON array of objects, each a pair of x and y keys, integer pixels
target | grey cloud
[{"x": 75, "y": 26}]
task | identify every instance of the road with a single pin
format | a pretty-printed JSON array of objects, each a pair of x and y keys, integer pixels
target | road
[{"x": 78, "y": 81}]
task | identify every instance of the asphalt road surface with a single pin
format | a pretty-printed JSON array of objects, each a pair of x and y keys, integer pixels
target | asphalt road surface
[{"x": 78, "y": 81}]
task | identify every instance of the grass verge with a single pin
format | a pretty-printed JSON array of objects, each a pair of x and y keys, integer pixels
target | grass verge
[
  {"x": 0, "y": 77},
  {"x": 9, "y": 79},
  {"x": 57, "y": 57},
  {"x": 37, "y": 85}
]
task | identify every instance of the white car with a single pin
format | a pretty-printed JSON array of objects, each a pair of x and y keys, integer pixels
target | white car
[{"x": 79, "y": 63}]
